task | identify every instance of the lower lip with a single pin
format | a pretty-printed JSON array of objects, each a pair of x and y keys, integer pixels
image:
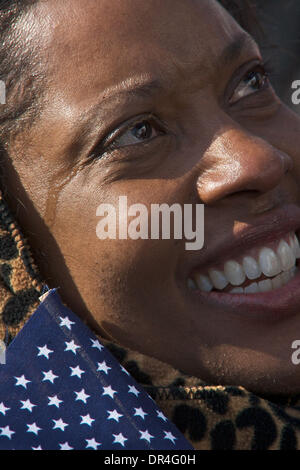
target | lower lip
[{"x": 276, "y": 303}]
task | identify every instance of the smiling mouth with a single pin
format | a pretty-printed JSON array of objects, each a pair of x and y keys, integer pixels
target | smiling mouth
[{"x": 264, "y": 269}]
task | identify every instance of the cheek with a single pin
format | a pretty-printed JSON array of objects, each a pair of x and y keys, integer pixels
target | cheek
[
  {"x": 111, "y": 264},
  {"x": 292, "y": 142},
  {"x": 283, "y": 132},
  {"x": 28, "y": 182}
]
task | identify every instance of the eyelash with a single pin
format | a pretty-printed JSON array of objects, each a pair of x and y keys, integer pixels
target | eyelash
[
  {"x": 268, "y": 67},
  {"x": 110, "y": 142},
  {"x": 264, "y": 67}
]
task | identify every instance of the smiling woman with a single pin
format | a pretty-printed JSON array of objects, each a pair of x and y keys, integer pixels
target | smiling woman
[{"x": 164, "y": 103}]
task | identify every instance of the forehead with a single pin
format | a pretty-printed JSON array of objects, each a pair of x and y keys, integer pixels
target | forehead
[{"x": 105, "y": 42}]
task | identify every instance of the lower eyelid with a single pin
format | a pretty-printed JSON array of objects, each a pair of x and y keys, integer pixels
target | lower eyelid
[
  {"x": 142, "y": 143},
  {"x": 264, "y": 103},
  {"x": 267, "y": 86}
]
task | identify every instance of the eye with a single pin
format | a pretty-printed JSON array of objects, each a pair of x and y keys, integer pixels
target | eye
[
  {"x": 254, "y": 81},
  {"x": 138, "y": 132}
]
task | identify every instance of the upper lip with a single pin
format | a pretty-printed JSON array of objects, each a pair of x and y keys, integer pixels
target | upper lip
[{"x": 259, "y": 232}]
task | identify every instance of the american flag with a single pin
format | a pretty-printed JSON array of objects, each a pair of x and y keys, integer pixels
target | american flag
[{"x": 61, "y": 389}]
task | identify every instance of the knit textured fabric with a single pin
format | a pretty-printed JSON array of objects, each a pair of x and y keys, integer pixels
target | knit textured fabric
[{"x": 210, "y": 417}]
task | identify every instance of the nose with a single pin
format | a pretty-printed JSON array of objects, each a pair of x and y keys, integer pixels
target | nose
[{"x": 239, "y": 161}]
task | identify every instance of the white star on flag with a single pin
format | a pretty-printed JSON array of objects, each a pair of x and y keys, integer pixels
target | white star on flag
[
  {"x": 133, "y": 390},
  {"x": 49, "y": 376},
  {"x": 102, "y": 367},
  {"x": 119, "y": 439},
  {"x": 86, "y": 420},
  {"x": 3, "y": 409},
  {"x": 76, "y": 371},
  {"x": 92, "y": 443},
  {"x": 22, "y": 381},
  {"x": 145, "y": 435},
  {"x": 33, "y": 428},
  {"x": 36, "y": 448},
  {"x": 140, "y": 412},
  {"x": 169, "y": 435},
  {"x": 59, "y": 424},
  {"x": 54, "y": 401},
  {"x": 109, "y": 391},
  {"x": 96, "y": 344},
  {"x": 44, "y": 351},
  {"x": 66, "y": 322},
  {"x": 27, "y": 405},
  {"x": 7, "y": 432},
  {"x": 71, "y": 346},
  {"x": 82, "y": 396},
  {"x": 161, "y": 415},
  {"x": 65, "y": 446},
  {"x": 114, "y": 415}
]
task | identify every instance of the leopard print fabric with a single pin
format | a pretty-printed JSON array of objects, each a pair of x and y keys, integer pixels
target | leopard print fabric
[
  {"x": 20, "y": 285},
  {"x": 210, "y": 417},
  {"x": 215, "y": 417}
]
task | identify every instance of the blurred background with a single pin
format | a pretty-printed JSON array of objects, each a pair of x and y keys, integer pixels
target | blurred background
[{"x": 280, "y": 20}]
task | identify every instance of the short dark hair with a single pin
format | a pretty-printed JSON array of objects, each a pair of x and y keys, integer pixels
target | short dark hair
[
  {"x": 23, "y": 78},
  {"x": 245, "y": 13}
]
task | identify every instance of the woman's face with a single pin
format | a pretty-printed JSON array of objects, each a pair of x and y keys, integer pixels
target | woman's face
[{"x": 180, "y": 90}]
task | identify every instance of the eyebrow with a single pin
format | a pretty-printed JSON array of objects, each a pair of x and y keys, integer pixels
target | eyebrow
[
  {"x": 142, "y": 87},
  {"x": 234, "y": 50},
  {"x": 134, "y": 87}
]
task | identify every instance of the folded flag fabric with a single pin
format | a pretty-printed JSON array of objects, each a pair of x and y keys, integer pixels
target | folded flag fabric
[{"x": 61, "y": 389}]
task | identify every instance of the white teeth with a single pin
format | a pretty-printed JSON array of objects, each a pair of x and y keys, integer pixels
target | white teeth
[
  {"x": 252, "y": 288},
  {"x": 286, "y": 255},
  {"x": 285, "y": 277},
  {"x": 203, "y": 283},
  {"x": 297, "y": 246},
  {"x": 280, "y": 265},
  {"x": 277, "y": 282},
  {"x": 294, "y": 244},
  {"x": 237, "y": 290},
  {"x": 251, "y": 268},
  {"x": 294, "y": 271},
  {"x": 265, "y": 286},
  {"x": 234, "y": 273},
  {"x": 218, "y": 279},
  {"x": 269, "y": 262}
]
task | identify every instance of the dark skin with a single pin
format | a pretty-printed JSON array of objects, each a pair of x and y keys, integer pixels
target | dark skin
[{"x": 238, "y": 155}]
